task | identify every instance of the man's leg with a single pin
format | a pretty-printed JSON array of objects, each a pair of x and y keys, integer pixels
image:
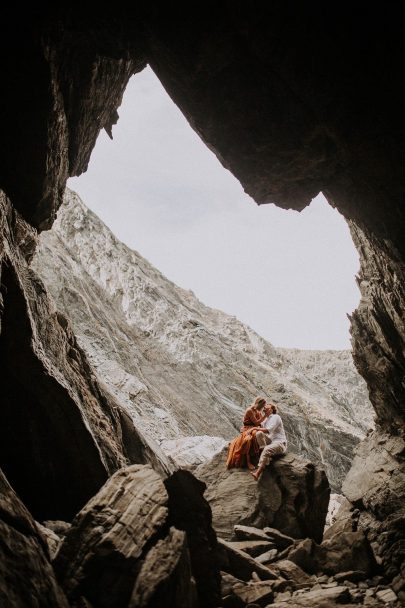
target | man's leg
[
  {"x": 262, "y": 439},
  {"x": 266, "y": 456}
]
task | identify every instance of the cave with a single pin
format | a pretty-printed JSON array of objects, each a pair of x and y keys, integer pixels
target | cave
[{"x": 294, "y": 99}]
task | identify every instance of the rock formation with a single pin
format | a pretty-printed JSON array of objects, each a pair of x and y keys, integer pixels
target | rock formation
[
  {"x": 62, "y": 433},
  {"x": 292, "y": 496},
  {"x": 123, "y": 548},
  {"x": 293, "y": 99},
  {"x": 161, "y": 352}
]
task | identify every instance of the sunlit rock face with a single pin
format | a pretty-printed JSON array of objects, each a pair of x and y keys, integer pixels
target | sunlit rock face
[{"x": 181, "y": 368}]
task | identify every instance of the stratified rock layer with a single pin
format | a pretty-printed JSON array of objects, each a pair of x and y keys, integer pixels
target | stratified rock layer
[{"x": 292, "y": 496}]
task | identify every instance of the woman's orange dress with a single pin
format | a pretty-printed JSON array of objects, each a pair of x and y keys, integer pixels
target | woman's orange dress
[{"x": 246, "y": 442}]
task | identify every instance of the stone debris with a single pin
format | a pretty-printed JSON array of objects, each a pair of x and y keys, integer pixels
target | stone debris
[
  {"x": 240, "y": 564},
  {"x": 282, "y": 541},
  {"x": 386, "y": 595},
  {"x": 268, "y": 557},
  {"x": 255, "y": 548}
]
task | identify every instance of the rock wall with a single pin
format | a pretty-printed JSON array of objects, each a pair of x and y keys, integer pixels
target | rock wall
[{"x": 62, "y": 434}]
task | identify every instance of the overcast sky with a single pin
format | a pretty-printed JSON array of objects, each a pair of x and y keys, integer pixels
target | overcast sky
[{"x": 288, "y": 275}]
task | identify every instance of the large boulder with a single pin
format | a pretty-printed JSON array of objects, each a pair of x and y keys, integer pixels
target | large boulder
[
  {"x": 189, "y": 511},
  {"x": 26, "y": 575},
  {"x": 165, "y": 575},
  {"x": 292, "y": 496},
  {"x": 123, "y": 549},
  {"x": 376, "y": 486},
  {"x": 344, "y": 550}
]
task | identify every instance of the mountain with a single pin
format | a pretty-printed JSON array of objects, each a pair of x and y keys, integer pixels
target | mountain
[{"x": 182, "y": 369}]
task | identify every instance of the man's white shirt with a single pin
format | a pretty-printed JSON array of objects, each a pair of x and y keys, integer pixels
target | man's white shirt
[{"x": 276, "y": 429}]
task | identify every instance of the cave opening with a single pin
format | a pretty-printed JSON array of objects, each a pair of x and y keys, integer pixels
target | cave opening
[
  {"x": 156, "y": 168},
  {"x": 289, "y": 275}
]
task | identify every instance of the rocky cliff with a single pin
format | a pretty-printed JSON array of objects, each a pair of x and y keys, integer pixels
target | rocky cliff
[{"x": 183, "y": 369}]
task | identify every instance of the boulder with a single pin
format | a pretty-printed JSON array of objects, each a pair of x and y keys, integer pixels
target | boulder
[
  {"x": 189, "y": 511},
  {"x": 124, "y": 549},
  {"x": 375, "y": 485},
  {"x": 282, "y": 541},
  {"x": 103, "y": 549},
  {"x": 292, "y": 496},
  {"x": 254, "y": 592},
  {"x": 289, "y": 570},
  {"x": 227, "y": 583},
  {"x": 253, "y": 547},
  {"x": 250, "y": 533},
  {"x": 258, "y": 593},
  {"x": 240, "y": 564},
  {"x": 340, "y": 553},
  {"x": 353, "y": 576},
  {"x": 268, "y": 557},
  {"x": 26, "y": 575},
  {"x": 165, "y": 576},
  {"x": 58, "y": 526}
]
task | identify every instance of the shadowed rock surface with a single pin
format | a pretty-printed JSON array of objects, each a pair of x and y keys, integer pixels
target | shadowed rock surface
[
  {"x": 293, "y": 99},
  {"x": 124, "y": 548},
  {"x": 26, "y": 575},
  {"x": 162, "y": 352},
  {"x": 291, "y": 496}
]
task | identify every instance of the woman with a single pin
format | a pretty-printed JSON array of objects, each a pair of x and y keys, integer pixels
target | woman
[{"x": 242, "y": 448}]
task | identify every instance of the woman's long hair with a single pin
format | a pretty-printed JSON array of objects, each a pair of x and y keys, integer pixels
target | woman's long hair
[{"x": 259, "y": 403}]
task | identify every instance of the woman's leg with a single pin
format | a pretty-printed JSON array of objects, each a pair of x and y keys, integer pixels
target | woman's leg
[{"x": 251, "y": 466}]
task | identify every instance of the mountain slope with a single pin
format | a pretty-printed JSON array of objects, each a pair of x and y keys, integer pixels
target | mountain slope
[{"x": 179, "y": 367}]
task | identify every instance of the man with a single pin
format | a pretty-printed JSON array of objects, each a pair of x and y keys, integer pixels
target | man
[{"x": 271, "y": 439}]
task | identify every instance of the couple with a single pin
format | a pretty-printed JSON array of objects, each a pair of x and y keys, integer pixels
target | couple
[{"x": 262, "y": 431}]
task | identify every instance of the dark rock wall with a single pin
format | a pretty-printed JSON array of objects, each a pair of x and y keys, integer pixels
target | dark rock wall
[
  {"x": 26, "y": 574},
  {"x": 378, "y": 326},
  {"x": 61, "y": 434},
  {"x": 293, "y": 98}
]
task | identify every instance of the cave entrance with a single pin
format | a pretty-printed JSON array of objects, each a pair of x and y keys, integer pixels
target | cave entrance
[{"x": 288, "y": 275}]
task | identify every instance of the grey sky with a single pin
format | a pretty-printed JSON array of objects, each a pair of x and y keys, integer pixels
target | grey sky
[{"x": 288, "y": 275}]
